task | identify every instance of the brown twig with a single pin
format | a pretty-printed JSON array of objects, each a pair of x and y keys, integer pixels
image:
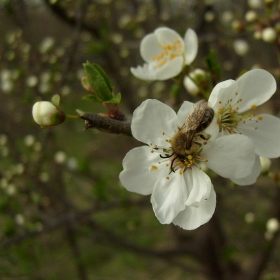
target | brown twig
[
  {"x": 62, "y": 14},
  {"x": 107, "y": 124}
]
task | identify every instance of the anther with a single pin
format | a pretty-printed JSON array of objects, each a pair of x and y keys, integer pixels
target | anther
[{"x": 253, "y": 107}]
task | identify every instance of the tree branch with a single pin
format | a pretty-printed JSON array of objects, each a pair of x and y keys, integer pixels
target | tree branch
[{"x": 107, "y": 124}]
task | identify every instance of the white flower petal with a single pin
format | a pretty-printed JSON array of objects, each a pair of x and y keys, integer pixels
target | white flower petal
[
  {"x": 193, "y": 217},
  {"x": 255, "y": 87},
  {"x": 145, "y": 72},
  {"x": 169, "y": 197},
  {"x": 221, "y": 94},
  {"x": 213, "y": 129},
  {"x": 136, "y": 176},
  {"x": 184, "y": 111},
  {"x": 150, "y": 47},
  {"x": 167, "y": 36},
  {"x": 265, "y": 134},
  {"x": 191, "y": 46},
  {"x": 230, "y": 156},
  {"x": 151, "y": 119},
  {"x": 252, "y": 178},
  {"x": 199, "y": 186},
  {"x": 170, "y": 69}
]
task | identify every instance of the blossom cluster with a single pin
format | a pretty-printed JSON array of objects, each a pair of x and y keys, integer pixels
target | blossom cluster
[{"x": 222, "y": 134}]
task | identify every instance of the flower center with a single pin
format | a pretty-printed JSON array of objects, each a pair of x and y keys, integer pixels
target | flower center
[
  {"x": 169, "y": 52},
  {"x": 177, "y": 161},
  {"x": 229, "y": 118}
]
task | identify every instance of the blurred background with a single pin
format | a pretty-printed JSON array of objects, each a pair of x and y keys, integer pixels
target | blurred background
[{"x": 63, "y": 211}]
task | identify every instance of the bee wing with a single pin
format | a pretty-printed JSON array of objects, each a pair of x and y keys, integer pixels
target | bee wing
[
  {"x": 188, "y": 135},
  {"x": 196, "y": 115}
]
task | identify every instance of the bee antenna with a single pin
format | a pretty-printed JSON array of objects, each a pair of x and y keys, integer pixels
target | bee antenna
[{"x": 166, "y": 156}]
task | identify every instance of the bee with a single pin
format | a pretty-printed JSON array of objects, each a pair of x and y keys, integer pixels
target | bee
[{"x": 188, "y": 139}]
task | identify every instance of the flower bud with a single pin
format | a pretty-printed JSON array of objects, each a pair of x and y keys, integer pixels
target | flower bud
[
  {"x": 251, "y": 16},
  {"x": 199, "y": 76},
  {"x": 269, "y": 35},
  {"x": 46, "y": 114},
  {"x": 241, "y": 47},
  {"x": 265, "y": 164},
  {"x": 209, "y": 16},
  {"x": 255, "y": 4},
  {"x": 272, "y": 225}
]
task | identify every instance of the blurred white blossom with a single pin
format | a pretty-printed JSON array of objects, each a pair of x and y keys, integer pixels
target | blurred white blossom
[
  {"x": 241, "y": 47},
  {"x": 31, "y": 81},
  {"x": 46, "y": 44},
  {"x": 249, "y": 217},
  {"x": 60, "y": 157},
  {"x": 165, "y": 53},
  {"x": 269, "y": 35}
]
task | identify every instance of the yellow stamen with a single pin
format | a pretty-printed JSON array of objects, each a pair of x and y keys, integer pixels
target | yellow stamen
[{"x": 253, "y": 107}]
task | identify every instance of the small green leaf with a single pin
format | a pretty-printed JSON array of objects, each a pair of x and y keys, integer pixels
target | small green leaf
[
  {"x": 102, "y": 72},
  {"x": 92, "y": 98},
  {"x": 80, "y": 112},
  {"x": 116, "y": 99},
  {"x": 56, "y": 100},
  {"x": 99, "y": 82}
]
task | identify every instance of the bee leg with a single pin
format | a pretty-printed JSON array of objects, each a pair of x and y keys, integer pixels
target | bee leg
[
  {"x": 204, "y": 136},
  {"x": 171, "y": 167}
]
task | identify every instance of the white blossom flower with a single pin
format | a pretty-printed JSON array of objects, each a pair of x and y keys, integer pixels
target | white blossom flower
[
  {"x": 165, "y": 53},
  {"x": 181, "y": 192},
  {"x": 233, "y": 103},
  {"x": 231, "y": 100}
]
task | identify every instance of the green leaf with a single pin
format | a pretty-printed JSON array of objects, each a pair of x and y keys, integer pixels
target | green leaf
[
  {"x": 92, "y": 98},
  {"x": 102, "y": 72},
  {"x": 116, "y": 99},
  {"x": 99, "y": 82},
  {"x": 213, "y": 65}
]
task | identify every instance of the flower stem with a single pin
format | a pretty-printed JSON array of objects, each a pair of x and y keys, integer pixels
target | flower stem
[{"x": 72, "y": 117}]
